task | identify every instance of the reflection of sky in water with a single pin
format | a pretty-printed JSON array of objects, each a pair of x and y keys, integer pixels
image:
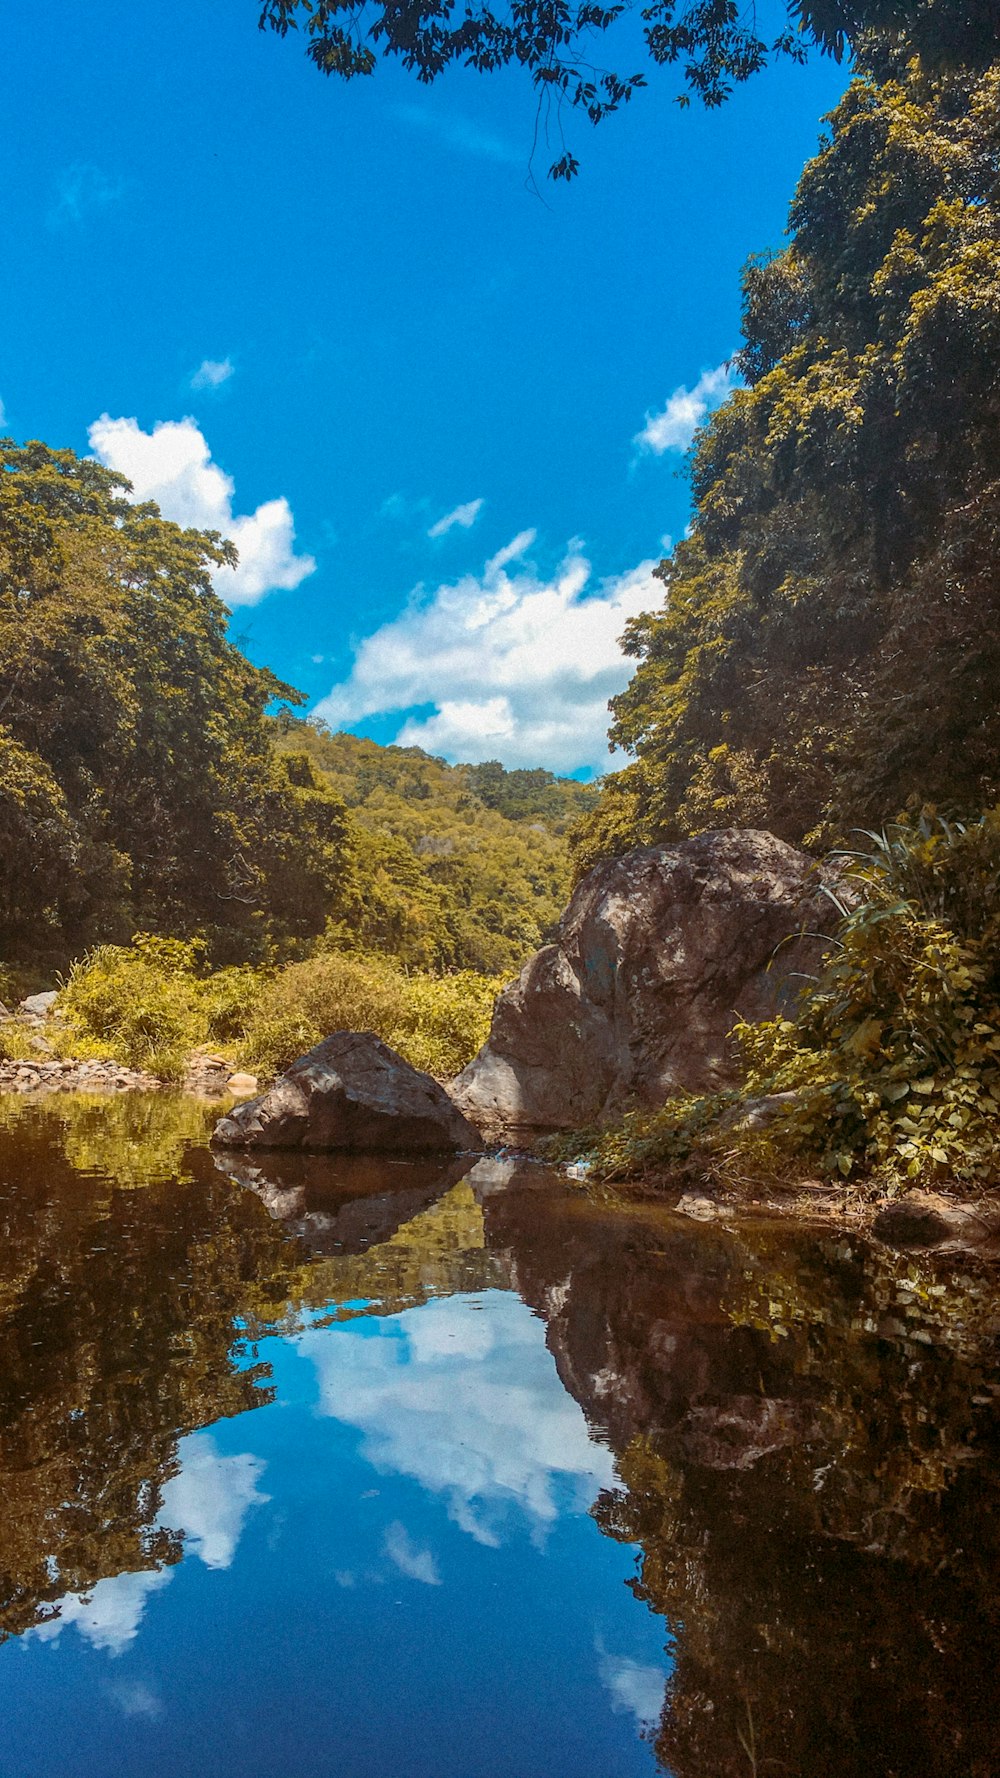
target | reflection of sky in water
[
  {"x": 208, "y": 1500},
  {"x": 390, "y": 1568},
  {"x": 462, "y": 1395}
]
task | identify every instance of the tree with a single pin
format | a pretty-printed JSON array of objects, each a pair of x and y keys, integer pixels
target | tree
[
  {"x": 716, "y": 42},
  {"x": 139, "y": 784},
  {"x": 829, "y": 650}
]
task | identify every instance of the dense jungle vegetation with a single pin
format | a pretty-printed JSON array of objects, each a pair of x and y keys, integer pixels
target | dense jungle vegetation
[
  {"x": 827, "y": 659},
  {"x": 829, "y": 647},
  {"x": 145, "y": 783}
]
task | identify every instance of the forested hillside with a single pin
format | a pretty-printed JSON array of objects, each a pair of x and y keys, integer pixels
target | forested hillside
[
  {"x": 145, "y": 784},
  {"x": 452, "y": 867},
  {"x": 828, "y": 653}
]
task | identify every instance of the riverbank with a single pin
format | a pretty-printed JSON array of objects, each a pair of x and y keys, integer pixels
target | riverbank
[{"x": 206, "y": 1077}]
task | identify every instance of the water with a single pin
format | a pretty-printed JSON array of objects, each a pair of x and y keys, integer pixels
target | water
[{"x": 344, "y": 1469}]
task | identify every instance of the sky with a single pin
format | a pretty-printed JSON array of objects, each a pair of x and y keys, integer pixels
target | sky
[{"x": 442, "y": 407}]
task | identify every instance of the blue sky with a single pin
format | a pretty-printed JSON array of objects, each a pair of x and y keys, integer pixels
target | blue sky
[{"x": 442, "y": 418}]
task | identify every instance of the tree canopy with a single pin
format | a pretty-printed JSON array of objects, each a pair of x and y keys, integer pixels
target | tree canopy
[
  {"x": 139, "y": 784},
  {"x": 716, "y": 43},
  {"x": 146, "y": 784},
  {"x": 829, "y": 648}
]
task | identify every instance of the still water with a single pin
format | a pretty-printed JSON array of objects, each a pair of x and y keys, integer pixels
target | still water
[{"x": 348, "y": 1469}]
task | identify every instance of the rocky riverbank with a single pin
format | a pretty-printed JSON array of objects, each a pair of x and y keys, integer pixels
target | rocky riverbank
[{"x": 208, "y": 1077}]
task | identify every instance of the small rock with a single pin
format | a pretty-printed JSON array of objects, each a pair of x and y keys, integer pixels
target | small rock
[
  {"x": 242, "y": 1085},
  {"x": 39, "y": 1006},
  {"x": 702, "y": 1209}
]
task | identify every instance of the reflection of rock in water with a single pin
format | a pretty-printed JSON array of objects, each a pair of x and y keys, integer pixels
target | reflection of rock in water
[
  {"x": 809, "y": 1451},
  {"x": 344, "y": 1203}
]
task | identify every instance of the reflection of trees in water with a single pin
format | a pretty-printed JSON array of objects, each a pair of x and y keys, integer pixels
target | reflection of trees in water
[
  {"x": 116, "y": 1333},
  {"x": 127, "y": 1318},
  {"x": 807, "y": 1433},
  {"x": 808, "y": 1453}
]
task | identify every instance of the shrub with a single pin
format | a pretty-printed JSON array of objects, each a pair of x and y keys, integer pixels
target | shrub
[
  {"x": 436, "y": 1024},
  {"x": 138, "y": 1004}
]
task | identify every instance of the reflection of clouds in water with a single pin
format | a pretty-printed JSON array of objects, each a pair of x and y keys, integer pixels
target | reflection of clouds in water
[
  {"x": 134, "y": 1697},
  {"x": 633, "y": 1688},
  {"x": 463, "y": 1396},
  {"x": 410, "y": 1559},
  {"x": 110, "y": 1614},
  {"x": 208, "y": 1500}
]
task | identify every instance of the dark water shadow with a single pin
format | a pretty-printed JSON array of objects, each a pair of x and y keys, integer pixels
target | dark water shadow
[{"x": 342, "y": 1204}]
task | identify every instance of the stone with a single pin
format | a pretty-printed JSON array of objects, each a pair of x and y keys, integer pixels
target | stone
[
  {"x": 921, "y": 1219},
  {"x": 655, "y": 957},
  {"x": 351, "y": 1092},
  {"x": 38, "y": 1006},
  {"x": 698, "y": 1207},
  {"x": 241, "y": 1085}
]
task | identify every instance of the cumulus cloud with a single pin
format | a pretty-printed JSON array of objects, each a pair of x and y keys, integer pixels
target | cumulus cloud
[
  {"x": 210, "y": 1497},
  {"x": 516, "y": 667},
  {"x": 173, "y": 466},
  {"x": 212, "y": 372},
  {"x": 464, "y": 516},
  {"x": 108, "y": 1617},
  {"x": 462, "y": 1395},
  {"x": 674, "y": 428}
]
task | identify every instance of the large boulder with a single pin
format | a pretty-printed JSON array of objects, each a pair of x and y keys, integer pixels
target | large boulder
[
  {"x": 350, "y": 1092},
  {"x": 656, "y": 956}
]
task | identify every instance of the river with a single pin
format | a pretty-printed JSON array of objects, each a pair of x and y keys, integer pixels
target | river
[{"x": 344, "y": 1469}]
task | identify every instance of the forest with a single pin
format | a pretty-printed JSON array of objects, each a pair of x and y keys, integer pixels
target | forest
[{"x": 824, "y": 665}]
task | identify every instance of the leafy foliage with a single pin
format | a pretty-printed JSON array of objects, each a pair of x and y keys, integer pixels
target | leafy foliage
[
  {"x": 449, "y": 867},
  {"x": 829, "y": 649},
  {"x": 718, "y": 46},
  {"x": 151, "y": 1004},
  {"x": 138, "y": 783}
]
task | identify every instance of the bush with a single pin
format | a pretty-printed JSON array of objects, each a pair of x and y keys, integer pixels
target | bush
[
  {"x": 436, "y": 1024},
  {"x": 139, "y": 1005}
]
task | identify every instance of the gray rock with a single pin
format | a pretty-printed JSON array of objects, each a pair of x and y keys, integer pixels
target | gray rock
[
  {"x": 39, "y": 1006},
  {"x": 656, "y": 955},
  {"x": 350, "y": 1092}
]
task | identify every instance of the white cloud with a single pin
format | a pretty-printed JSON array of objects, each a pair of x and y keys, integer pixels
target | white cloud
[
  {"x": 633, "y": 1688},
  {"x": 208, "y": 1500},
  {"x": 133, "y": 1697},
  {"x": 516, "y": 667},
  {"x": 210, "y": 1497},
  {"x": 409, "y": 1558},
  {"x": 173, "y": 466},
  {"x": 108, "y": 1617},
  {"x": 212, "y": 372},
  {"x": 465, "y": 516},
  {"x": 675, "y": 427},
  {"x": 461, "y": 133},
  {"x": 462, "y": 1395}
]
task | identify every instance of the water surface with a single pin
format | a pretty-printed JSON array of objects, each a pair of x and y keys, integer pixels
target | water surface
[{"x": 348, "y": 1468}]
